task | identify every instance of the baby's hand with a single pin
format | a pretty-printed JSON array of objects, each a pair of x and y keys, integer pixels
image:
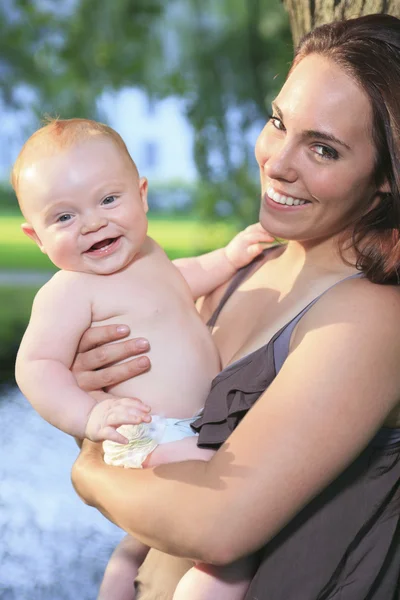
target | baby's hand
[
  {"x": 106, "y": 416},
  {"x": 246, "y": 245}
]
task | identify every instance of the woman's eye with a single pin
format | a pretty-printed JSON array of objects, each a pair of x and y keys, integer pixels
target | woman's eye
[
  {"x": 325, "y": 152},
  {"x": 64, "y": 218},
  {"x": 277, "y": 123},
  {"x": 109, "y": 200}
]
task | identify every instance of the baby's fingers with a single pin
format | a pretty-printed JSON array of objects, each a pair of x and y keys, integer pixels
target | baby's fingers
[
  {"x": 254, "y": 249},
  {"x": 258, "y": 230},
  {"x": 251, "y": 239},
  {"x": 109, "y": 433},
  {"x": 126, "y": 417},
  {"x": 132, "y": 403}
]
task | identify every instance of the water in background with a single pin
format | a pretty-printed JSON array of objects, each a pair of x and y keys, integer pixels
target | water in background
[{"x": 52, "y": 546}]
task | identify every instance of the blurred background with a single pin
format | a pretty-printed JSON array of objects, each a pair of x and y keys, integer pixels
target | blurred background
[{"x": 187, "y": 83}]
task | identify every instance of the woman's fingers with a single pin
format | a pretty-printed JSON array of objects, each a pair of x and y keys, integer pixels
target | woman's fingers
[
  {"x": 102, "y": 356},
  {"x": 95, "y": 380},
  {"x": 97, "y": 336},
  {"x": 96, "y": 352}
]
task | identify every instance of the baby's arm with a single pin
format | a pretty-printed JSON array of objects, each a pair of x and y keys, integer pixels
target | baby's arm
[
  {"x": 206, "y": 272},
  {"x": 61, "y": 312}
]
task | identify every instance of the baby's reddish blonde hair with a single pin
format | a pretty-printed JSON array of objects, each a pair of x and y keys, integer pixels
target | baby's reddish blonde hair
[{"x": 61, "y": 134}]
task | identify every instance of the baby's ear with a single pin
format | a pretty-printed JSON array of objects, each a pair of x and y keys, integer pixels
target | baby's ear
[
  {"x": 143, "y": 187},
  {"x": 31, "y": 233}
]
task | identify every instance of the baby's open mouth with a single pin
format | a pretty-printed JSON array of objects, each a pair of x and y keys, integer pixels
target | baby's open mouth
[{"x": 103, "y": 245}]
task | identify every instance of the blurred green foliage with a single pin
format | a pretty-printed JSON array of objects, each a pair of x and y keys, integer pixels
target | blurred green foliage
[
  {"x": 8, "y": 201},
  {"x": 16, "y": 303},
  {"x": 226, "y": 59}
]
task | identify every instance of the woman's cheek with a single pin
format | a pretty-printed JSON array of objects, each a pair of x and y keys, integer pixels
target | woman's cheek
[{"x": 261, "y": 148}]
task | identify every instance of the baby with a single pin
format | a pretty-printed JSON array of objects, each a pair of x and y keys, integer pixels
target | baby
[{"x": 85, "y": 206}]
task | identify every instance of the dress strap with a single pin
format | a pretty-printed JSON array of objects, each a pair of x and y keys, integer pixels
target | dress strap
[
  {"x": 282, "y": 341},
  {"x": 237, "y": 279}
]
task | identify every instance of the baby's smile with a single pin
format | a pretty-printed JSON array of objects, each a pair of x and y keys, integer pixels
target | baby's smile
[{"x": 104, "y": 247}]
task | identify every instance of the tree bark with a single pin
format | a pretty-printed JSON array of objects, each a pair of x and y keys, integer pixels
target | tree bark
[{"x": 305, "y": 15}]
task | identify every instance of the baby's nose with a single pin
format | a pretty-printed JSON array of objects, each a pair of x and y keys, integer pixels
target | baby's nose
[{"x": 93, "y": 224}]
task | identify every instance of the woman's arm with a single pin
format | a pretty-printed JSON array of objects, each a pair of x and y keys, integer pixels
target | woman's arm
[{"x": 334, "y": 391}]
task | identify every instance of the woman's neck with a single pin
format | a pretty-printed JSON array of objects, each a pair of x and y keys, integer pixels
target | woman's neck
[{"x": 317, "y": 257}]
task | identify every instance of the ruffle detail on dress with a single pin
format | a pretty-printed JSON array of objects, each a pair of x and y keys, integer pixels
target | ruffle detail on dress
[{"x": 233, "y": 392}]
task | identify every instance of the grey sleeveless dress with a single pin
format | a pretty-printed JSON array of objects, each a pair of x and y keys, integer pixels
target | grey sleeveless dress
[{"x": 345, "y": 544}]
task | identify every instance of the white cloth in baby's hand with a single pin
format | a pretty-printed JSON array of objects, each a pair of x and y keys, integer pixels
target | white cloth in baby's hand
[{"x": 143, "y": 439}]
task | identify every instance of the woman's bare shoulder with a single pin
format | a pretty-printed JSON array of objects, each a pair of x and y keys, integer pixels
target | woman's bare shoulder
[{"x": 356, "y": 303}]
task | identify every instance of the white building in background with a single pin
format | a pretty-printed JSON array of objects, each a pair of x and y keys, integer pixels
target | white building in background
[{"x": 156, "y": 132}]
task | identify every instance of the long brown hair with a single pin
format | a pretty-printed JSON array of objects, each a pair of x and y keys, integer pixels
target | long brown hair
[{"x": 368, "y": 48}]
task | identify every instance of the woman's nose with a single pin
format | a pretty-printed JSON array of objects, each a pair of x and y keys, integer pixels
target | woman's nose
[
  {"x": 278, "y": 160},
  {"x": 93, "y": 223}
]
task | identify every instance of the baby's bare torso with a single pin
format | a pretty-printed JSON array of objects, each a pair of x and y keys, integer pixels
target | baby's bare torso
[{"x": 152, "y": 297}]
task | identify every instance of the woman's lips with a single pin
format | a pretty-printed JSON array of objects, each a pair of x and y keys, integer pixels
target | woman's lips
[{"x": 284, "y": 207}]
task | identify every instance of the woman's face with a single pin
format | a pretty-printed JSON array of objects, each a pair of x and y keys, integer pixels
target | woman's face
[{"x": 316, "y": 153}]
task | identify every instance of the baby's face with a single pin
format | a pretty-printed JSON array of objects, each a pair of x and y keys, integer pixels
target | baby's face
[{"x": 86, "y": 207}]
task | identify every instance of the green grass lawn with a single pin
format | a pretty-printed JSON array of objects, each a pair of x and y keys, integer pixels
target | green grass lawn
[{"x": 178, "y": 236}]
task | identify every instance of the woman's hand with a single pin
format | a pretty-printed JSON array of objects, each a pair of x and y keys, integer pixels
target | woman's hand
[{"x": 94, "y": 366}]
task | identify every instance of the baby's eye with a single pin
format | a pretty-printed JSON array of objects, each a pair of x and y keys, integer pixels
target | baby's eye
[
  {"x": 109, "y": 200},
  {"x": 64, "y": 218},
  {"x": 325, "y": 152}
]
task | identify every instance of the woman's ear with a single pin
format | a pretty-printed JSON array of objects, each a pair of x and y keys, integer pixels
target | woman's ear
[
  {"x": 379, "y": 195},
  {"x": 31, "y": 233},
  {"x": 384, "y": 188}
]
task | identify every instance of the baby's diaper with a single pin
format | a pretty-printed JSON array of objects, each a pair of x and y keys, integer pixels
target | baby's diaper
[{"x": 144, "y": 438}]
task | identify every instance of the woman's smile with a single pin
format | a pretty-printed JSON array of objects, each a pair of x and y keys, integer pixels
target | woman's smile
[{"x": 278, "y": 200}]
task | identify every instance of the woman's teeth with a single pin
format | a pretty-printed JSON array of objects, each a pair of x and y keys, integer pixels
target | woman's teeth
[{"x": 281, "y": 199}]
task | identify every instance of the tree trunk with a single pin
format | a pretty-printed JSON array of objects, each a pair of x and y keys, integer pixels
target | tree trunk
[{"x": 305, "y": 15}]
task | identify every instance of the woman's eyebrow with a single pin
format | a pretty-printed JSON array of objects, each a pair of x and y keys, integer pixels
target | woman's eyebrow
[{"x": 312, "y": 133}]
